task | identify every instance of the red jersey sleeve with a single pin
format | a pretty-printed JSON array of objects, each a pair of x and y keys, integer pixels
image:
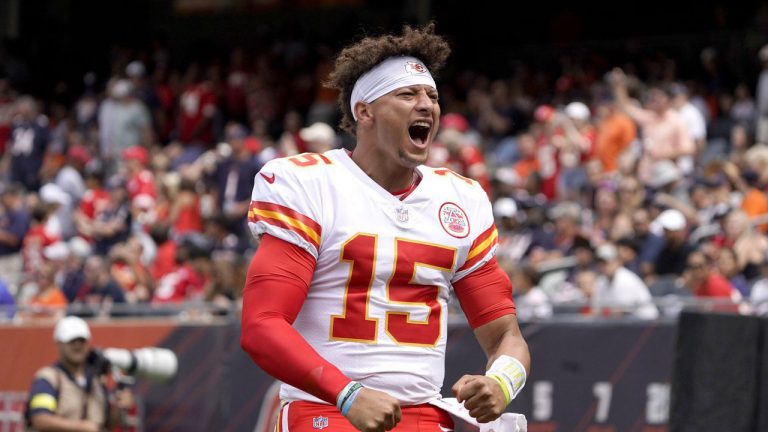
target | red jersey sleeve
[
  {"x": 276, "y": 287},
  {"x": 485, "y": 294}
]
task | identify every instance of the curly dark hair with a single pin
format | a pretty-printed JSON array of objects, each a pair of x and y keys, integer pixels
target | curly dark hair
[{"x": 359, "y": 58}]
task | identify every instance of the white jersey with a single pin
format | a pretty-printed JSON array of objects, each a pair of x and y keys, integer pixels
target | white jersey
[{"x": 377, "y": 303}]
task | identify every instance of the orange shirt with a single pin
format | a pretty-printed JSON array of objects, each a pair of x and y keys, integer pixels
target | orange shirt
[
  {"x": 525, "y": 167},
  {"x": 50, "y": 299},
  {"x": 755, "y": 203},
  {"x": 614, "y": 134}
]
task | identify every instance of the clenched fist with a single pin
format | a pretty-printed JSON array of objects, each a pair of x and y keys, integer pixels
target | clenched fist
[
  {"x": 481, "y": 395},
  {"x": 374, "y": 411}
]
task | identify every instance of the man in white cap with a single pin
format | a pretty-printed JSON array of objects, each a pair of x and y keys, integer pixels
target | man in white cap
[
  {"x": 671, "y": 260},
  {"x": 346, "y": 297},
  {"x": 620, "y": 291},
  {"x": 319, "y": 137},
  {"x": 69, "y": 395}
]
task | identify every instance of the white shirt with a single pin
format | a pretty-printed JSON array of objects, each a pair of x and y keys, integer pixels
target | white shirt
[
  {"x": 625, "y": 290},
  {"x": 694, "y": 120},
  {"x": 533, "y": 305}
]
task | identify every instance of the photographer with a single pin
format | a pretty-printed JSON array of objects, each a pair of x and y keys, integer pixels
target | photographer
[{"x": 71, "y": 394}]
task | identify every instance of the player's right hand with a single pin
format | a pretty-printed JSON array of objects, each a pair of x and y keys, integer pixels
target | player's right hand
[{"x": 374, "y": 411}]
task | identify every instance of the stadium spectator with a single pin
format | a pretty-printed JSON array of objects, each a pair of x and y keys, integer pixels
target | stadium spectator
[
  {"x": 197, "y": 106},
  {"x": 614, "y": 134},
  {"x": 704, "y": 281},
  {"x": 460, "y": 154},
  {"x": 761, "y": 127},
  {"x": 124, "y": 122},
  {"x": 129, "y": 271},
  {"x": 665, "y": 135},
  {"x": 671, "y": 259},
  {"x": 14, "y": 224},
  {"x": 619, "y": 291},
  {"x": 319, "y": 137},
  {"x": 727, "y": 266},
  {"x": 574, "y": 145},
  {"x": 190, "y": 280},
  {"x": 692, "y": 117},
  {"x": 531, "y": 301},
  {"x": 234, "y": 176},
  {"x": 7, "y": 302},
  {"x": 36, "y": 240},
  {"x": 42, "y": 295},
  {"x": 73, "y": 275},
  {"x": 28, "y": 143},
  {"x": 99, "y": 291},
  {"x": 749, "y": 245}
]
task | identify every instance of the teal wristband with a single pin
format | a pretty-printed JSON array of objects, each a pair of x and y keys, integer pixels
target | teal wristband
[{"x": 349, "y": 400}]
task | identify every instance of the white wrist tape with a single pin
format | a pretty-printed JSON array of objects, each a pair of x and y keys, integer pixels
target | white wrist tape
[{"x": 510, "y": 374}]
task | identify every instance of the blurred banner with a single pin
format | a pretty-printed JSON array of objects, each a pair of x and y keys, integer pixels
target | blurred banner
[{"x": 586, "y": 376}]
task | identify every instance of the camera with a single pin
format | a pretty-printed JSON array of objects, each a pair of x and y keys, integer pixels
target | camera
[{"x": 151, "y": 363}]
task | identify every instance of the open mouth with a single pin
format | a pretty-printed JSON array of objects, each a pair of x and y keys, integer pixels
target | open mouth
[{"x": 419, "y": 132}]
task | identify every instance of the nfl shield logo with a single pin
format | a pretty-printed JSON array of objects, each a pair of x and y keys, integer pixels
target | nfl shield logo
[
  {"x": 319, "y": 422},
  {"x": 402, "y": 214}
]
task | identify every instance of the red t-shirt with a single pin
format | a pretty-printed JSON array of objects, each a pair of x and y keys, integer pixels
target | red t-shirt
[
  {"x": 180, "y": 285},
  {"x": 189, "y": 219},
  {"x": 142, "y": 183},
  {"x": 165, "y": 261},
  {"x": 197, "y": 103},
  {"x": 36, "y": 239},
  {"x": 94, "y": 202},
  {"x": 715, "y": 286}
]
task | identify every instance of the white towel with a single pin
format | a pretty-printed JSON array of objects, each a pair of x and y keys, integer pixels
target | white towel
[{"x": 508, "y": 422}]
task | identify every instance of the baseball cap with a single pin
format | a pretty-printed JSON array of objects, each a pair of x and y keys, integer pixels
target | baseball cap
[
  {"x": 317, "y": 132},
  {"x": 543, "y": 113},
  {"x": 607, "y": 252},
  {"x": 505, "y": 207},
  {"x": 70, "y": 328},
  {"x": 672, "y": 220},
  {"x": 454, "y": 121},
  {"x": 79, "y": 152},
  {"x": 136, "y": 152},
  {"x": 122, "y": 88},
  {"x": 664, "y": 172},
  {"x": 577, "y": 111},
  {"x": 135, "y": 69},
  {"x": 565, "y": 209},
  {"x": 53, "y": 194}
]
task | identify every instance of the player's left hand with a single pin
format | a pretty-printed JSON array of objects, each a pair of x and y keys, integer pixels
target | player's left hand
[{"x": 481, "y": 395}]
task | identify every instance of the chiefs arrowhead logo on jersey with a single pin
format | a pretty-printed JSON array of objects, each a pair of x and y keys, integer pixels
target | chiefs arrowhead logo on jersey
[
  {"x": 454, "y": 220},
  {"x": 414, "y": 68}
]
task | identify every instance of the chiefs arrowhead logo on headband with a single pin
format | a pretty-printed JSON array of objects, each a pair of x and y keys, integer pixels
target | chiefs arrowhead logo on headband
[
  {"x": 391, "y": 74},
  {"x": 415, "y": 68}
]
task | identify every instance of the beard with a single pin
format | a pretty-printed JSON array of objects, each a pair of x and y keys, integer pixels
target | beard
[{"x": 412, "y": 161}]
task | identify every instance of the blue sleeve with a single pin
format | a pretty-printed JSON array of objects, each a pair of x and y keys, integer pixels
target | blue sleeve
[
  {"x": 651, "y": 248},
  {"x": 19, "y": 225},
  {"x": 42, "y": 397},
  {"x": 114, "y": 291}
]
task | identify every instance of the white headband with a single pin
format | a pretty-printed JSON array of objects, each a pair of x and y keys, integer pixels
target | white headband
[{"x": 393, "y": 73}]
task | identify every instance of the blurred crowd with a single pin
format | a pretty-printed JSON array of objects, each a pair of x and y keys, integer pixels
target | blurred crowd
[{"x": 616, "y": 192}]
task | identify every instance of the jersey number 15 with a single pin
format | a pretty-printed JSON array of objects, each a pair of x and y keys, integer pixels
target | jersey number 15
[{"x": 355, "y": 324}]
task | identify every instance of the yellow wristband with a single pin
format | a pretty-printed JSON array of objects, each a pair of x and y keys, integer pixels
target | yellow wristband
[{"x": 503, "y": 383}]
